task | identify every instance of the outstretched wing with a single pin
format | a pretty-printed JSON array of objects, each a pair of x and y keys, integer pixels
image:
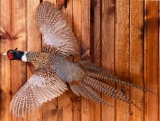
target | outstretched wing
[
  {"x": 55, "y": 30},
  {"x": 40, "y": 88}
]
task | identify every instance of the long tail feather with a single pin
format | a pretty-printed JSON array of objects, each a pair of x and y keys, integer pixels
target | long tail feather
[
  {"x": 91, "y": 94},
  {"x": 106, "y": 89},
  {"x": 87, "y": 91},
  {"x": 99, "y": 73}
]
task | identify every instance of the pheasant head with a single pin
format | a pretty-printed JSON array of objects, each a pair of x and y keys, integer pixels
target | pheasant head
[{"x": 16, "y": 55}]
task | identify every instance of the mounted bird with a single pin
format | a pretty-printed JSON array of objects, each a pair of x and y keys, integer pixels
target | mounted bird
[{"x": 52, "y": 69}]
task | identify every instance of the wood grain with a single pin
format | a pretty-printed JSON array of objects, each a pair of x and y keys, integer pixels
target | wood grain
[
  {"x": 5, "y": 67},
  {"x": 86, "y": 6},
  {"x": 97, "y": 32},
  {"x": 50, "y": 109},
  {"x": 33, "y": 38},
  {"x": 97, "y": 48},
  {"x": 77, "y": 28},
  {"x": 108, "y": 52},
  {"x": 159, "y": 63},
  {"x": 136, "y": 59},
  {"x": 87, "y": 107},
  {"x": 125, "y": 41},
  {"x": 122, "y": 54},
  {"x": 151, "y": 59},
  {"x": 64, "y": 101},
  {"x": 18, "y": 26}
]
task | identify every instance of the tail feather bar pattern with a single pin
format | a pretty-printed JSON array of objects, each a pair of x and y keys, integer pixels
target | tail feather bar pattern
[
  {"x": 99, "y": 73},
  {"x": 106, "y": 89},
  {"x": 87, "y": 91}
]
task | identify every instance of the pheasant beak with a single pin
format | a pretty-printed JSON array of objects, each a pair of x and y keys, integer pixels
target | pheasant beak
[{"x": 4, "y": 54}]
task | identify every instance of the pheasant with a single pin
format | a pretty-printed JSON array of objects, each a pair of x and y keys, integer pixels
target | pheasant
[{"x": 52, "y": 69}]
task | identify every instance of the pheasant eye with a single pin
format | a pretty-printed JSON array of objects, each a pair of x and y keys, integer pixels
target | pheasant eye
[{"x": 10, "y": 56}]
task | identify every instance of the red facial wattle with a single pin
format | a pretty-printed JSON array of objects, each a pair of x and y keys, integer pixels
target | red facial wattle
[{"x": 10, "y": 56}]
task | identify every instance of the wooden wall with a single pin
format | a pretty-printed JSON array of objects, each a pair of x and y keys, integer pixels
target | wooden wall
[{"x": 123, "y": 37}]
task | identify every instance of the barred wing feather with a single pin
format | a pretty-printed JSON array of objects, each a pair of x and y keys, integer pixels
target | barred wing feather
[
  {"x": 55, "y": 30},
  {"x": 34, "y": 93}
]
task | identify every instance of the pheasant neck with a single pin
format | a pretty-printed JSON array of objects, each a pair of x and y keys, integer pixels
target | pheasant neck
[{"x": 24, "y": 57}]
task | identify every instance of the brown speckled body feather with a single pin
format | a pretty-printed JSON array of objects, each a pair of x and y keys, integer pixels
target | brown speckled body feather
[
  {"x": 82, "y": 77},
  {"x": 37, "y": 58}
]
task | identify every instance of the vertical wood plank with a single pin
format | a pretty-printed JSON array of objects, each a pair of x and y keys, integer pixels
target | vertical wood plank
[
  {"x": 91, "y": 50},
  {"x": 65, "y": 107},
  {"x": 19, "y": 71},
  {"x": 122, "y": 54},
  {"x": 77, "y": 19},
  {"x": 64, "y": 101},
  {"x": 5, "y": 73},
  {"x": 159, "y": 65},
  {"x": 50, "y": 109},
  {"x": 33, "y": 33},
  {"x": 108, "y": 13},
  {"x": 85, "y": 25},
  {"x": 77, "y": 28},
  {"x": 52, "y": 1},
  {"x": 87, "y": 106},
  {"x": 136, "y": 58},
  {"x": 97, "y": 32},
  {"x": 151, "y": 59},
  {"x": 33, "y": 38},
  {"x": 97, "y": 48}
]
